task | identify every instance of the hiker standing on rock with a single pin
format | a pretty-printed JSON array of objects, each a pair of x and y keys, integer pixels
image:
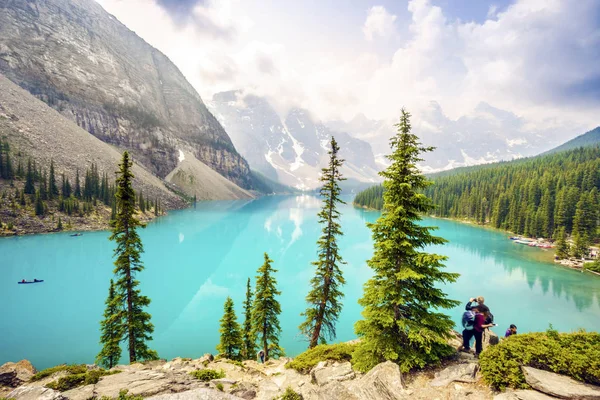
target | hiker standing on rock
[{"x": 481, "y": 315}]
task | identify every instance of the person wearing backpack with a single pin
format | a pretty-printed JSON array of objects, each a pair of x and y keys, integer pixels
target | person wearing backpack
[
  {"x": 480, "y": 303},
  {"x": 468, "y": 323}
]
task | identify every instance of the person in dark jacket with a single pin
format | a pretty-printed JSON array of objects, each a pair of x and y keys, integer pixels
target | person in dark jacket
[{"x": 480, "y": 326}]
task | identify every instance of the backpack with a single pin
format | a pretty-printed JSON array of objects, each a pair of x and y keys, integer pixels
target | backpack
[
  {"x": 490, "y": 318},
  {"x": 468, "y": 320}
]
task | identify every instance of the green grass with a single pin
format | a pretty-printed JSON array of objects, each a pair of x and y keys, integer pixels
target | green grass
[
  {"x": 77, "y": 379},
  {"x": 576, "y": 355},
  {"x": 71, "y": 369},
  {"x": 335, "y": 352},
  {"x": 290, "y": 394},
  {"x": 220, "y": 386},
  {"x": 206, "y": 375},
  {"x": 123, "y": 396}
]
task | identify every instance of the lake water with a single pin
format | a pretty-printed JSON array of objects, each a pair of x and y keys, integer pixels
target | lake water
[{"x": 195, "y": 258}]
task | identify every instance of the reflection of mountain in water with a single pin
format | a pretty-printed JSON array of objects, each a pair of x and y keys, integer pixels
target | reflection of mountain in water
[{"x": 184, "y": 276}]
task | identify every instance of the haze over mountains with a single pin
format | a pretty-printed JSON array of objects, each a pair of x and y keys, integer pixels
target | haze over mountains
[{"x": 293, "y": 149}]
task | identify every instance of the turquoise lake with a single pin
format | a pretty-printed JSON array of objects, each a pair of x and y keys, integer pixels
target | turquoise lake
[{"x": 195, "y": 258}]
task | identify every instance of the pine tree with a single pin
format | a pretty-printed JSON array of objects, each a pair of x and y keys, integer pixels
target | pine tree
[
  {"x": 562, "y": 247},
  {"x": 52, "y": 187},
  {"x": 323, "y": 300},
  {"x": 59, "y": 226},
  {"x": 231, "y": 337},
  {"x": 9, "y": 173},
  {"x": 39, "y": 204},
  {"x": 2, "y": 169},
  {"x": 266, "y": 310},
  {"x": 138, "y": 328},
  {"x": 142, "y": 202},
  {"x": 401, "y": 301},
  {"x": 22, "y": 198},
  {"x": 29, "y": 186},
  {"x": 44, "y": 186},
  {"x": 112, "y": 329},
  {"x": 248, "y": 342},
  {"x": 77, "y": 185}
]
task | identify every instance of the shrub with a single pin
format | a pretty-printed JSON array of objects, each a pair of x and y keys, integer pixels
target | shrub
[
  {"x": 206, "y": 375},
  {"x": 71, "y": 369},
  {"x": 72, "y": 381},
  {"x": 290, "y": 394},
  {"x": 336, "y": 352},
  {"x": 123, "y": 396},
  {"x": 220, "y": 386},
  {"x": 574, "y": 354}
]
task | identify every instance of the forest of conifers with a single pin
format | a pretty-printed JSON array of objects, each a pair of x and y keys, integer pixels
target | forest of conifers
[{"x": 532, "y": 197}]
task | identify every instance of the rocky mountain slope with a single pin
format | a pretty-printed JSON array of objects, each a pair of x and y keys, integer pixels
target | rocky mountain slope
[
  {"x": 37, "y": 131},
  {"x": 84, "y": 63},
  {"x": 591, "y": 138},
  {"x": 292, "y": 150}
]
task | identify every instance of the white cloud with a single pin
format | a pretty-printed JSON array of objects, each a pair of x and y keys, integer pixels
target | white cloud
[
  {"x": 379, "y": 23},
  {"x": 534, "y": 58},
  {"x": 492, "y": 11}
]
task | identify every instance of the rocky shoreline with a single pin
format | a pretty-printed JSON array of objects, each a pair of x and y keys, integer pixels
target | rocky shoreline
[{"x": 457, "y": 378}]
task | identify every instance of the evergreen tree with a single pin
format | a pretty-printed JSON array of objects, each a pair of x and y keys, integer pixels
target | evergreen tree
[
  {"x": 77, "y": 185},
  {"x": 266, "y": 310},
  {"x": 138, "y": 328},
  {"x": 29, "y": 186},
  {"x": 401, "y": 301},
  {"x": 2, "y": 169},
  {"x": 248, "y": 342},
  {"x": 323, "y": 300},
  {"x": 52, "y": 187},
  {"x": 20, "y": 172},
  {"x": 9, "y": 173},
  {"x": 44, "y": 186},
  {"x": 231, "y": 337},
  {"x": 39, "y": 204},
  {"x": 112, "y": 328},
  {"x": 142, "y": 202},
  {"x": 562, "y": 247},
  {"x": 22, "y": 198},
  {"x": 59, "y": 226}
]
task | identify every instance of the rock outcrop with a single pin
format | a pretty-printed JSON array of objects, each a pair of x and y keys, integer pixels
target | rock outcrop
[
  {"x": 326, "y": 372},
  {"x": 15, "y": 374},
  {"x": 84, "y": 63},
  {"x": 559, "y": 386},
  {"x": 523, "y": 395}
]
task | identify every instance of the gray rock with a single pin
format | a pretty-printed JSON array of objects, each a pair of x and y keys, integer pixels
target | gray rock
[
  {"x": 324, "y": 373},
  {"x": 490, "y": 338},
  {"x": 245, "y": 391},
  {"x": 384, "y": 382},
  {"x": 559, "y": 385},
  {"x": 456, "y": 373},
  {"x": 332, "y": 391},
  {"x": 15, "y": 374},
  {"x": 35, "y": 393},
  {"x": 523, "y": 395},
  {"x": 224, "y": 381},
  {"x": 196, "y": 394}
]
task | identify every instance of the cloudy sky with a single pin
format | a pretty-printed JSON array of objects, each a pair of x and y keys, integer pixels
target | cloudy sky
[{"x": 536, "y": 58}]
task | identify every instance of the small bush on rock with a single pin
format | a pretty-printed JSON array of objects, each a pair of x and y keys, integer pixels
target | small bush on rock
[
  {"x": 72, "y": 381},
  {"x": 290, "y": 394},
  {"x": 71, "y": 370},
  {"x": 123, "y": 396},
  {"x": 574, "y": 354},
  {"x": 206, "y": 375},
  {"x": 220, "y": 386},
  {"x": 335, "y": 352}
]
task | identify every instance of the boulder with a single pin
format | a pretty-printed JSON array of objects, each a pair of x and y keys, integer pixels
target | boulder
[
  {"x": 332, "y": 391},
  {"x": 523, "y": 395},
  {"x": 15, "y": 374},
  {"x": 559, "y": 385},
  {"x": 324, "y": 373},
  {"x": 196, "y": 394},
  {"x": 35, "y": 393},
  {"x": 224, "y": 381},
  {"x": 245, "y": 391},
  {"x": 490, "y": 338},
  {"x": 456, "y": 373},
  {"x": 384, "y": 382}
]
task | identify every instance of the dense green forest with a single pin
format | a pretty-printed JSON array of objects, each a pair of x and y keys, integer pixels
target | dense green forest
[
  {"x": 533, "y": 197},
  {"x": 26, "y": 187}
]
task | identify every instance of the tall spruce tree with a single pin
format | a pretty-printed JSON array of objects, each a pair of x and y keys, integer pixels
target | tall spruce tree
[
  {"x": 138, "y": 328},
  {"x": 112, "y": 328},
  {"x": 231, "y": 336},
  {"x": 77, "y": 185},
  {"x": 401, "y": 301},
  {"x": 52, "y": 187},
  {"x": 562, "y": 247},
  {"x": 266, "y": 310},
  {"x": 323, "y": 300},
  {"x": 249, "y": 342},
  {"x": 29, "y": 186}
]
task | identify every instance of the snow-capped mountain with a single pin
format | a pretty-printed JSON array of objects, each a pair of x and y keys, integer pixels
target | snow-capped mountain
[
  {"x": 292, "y": 150},
  {"x": 487, "y": 134}
]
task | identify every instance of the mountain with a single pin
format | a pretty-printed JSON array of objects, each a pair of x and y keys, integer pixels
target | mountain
[
  {"x": 84, "y": 63},
  {"x": 291, "y": 150},
  {"x": 484, "y": 135},
  {"x": 35, "y": 130},
  {"x": 591, "y": 138}
]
